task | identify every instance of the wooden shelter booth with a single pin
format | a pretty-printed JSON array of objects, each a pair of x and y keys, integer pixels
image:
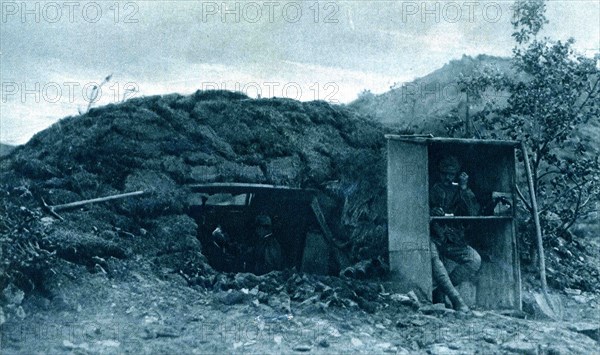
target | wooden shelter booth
[{"x": 412, "y": 171}]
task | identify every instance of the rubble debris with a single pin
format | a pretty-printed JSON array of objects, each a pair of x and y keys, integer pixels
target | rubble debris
[
  {"x": 590, "y": 329},
  {"x": 366, "y": 269}
]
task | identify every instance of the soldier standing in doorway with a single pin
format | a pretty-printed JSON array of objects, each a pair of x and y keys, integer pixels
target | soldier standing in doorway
[{"x": 267, "y": 255}]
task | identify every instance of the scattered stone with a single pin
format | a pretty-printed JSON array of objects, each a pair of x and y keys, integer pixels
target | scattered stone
[
  {"x": 72, "y": 346},
  {"x": 418, "y": 322},
  {"x": 231, "y": 297},
  {"x": 571, "y": 291},
  {"x": 356, "y": 342},
  {"x": 46, "y": 221},
  {"x": 150, "y": 320},
  {"x": 108, "y": 343},
  {"x": 437, "y": 308},
  {"x": 246, "y": 280},
  {"x": 589, "y": 329},
  {"x": 280, "y": 302},
  {"x": 323, "y": 342},
  {"x": 69, "y": 345},
  {"x": 313, "y": 308},
  {"x": 147, "y": 334},
  {"x": 490, "y": 339},
  {"x": 521, "y": 347},
  {"x": 364, "y": 269},
  {"x": 513, "y": 313},
  {"x": 334, "y": 332},
  {"x": 302, "y": 348},
  {"x": 399, "y": 350},
  {"x": 414, "y": 297},
  {"x": 384, "y": 346},
  {"x": 442, "y": 349},
  {"x": 478, "y": 314},
  {"x": 582, "y": 298},
  {"x": 156, "y": 331},
  {"x": 167, "y": 333},
  {"x": 398, "y": 297},
  {"x": 407, "y": 300}
]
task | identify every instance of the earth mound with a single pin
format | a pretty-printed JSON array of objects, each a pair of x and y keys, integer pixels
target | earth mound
[{"x": 159, "y": 144}]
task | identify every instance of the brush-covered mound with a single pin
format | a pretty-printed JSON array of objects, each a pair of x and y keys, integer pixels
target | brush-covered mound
[{"x": 160, "y": 144}]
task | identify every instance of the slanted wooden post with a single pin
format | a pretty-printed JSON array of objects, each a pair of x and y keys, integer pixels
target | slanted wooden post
[{"x": 52, "y": 209}]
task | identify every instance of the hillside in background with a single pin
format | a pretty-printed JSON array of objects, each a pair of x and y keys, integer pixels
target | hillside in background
[
  {"x": 5, "y": 149},
  {"x": 419, "y": 105}
]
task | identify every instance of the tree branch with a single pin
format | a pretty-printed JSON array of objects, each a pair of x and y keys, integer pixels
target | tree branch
[
  {"x": 577, "y": 186},
  {"x": 548, "y": 141},
  {"x": 527, "y": 205},
  {"x": 548, "y": 173},
  {"x": 590, "y": 95},
  {"x": 576, "y": 212}
]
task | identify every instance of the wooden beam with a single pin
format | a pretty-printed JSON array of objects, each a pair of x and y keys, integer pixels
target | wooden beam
[
  {"x": 94, "y": 200},
  {"x": 423, "y": 140}
]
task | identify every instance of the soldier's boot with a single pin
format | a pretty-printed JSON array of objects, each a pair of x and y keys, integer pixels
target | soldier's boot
[
  {"x": 444, "y": 285},
  {"x": 438, "y": 296}
]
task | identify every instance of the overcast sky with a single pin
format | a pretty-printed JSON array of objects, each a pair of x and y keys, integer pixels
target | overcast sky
[{"x": 51, "y": 51}]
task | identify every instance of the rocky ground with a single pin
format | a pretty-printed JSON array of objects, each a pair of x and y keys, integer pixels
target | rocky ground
[{"x": 138, "y": 312}]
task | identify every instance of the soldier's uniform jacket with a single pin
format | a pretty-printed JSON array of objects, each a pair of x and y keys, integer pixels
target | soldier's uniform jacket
[
  {"x": 451, "y": 199},
  {"x": 268, "y": 254}
]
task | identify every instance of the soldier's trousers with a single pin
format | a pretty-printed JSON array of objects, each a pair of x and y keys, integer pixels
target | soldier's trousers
[{"x": 467, "y": 259}]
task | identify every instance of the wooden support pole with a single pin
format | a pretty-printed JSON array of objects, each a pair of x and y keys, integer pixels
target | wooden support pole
[
  {"x": 94, "y": 200},
  {"x": 52, "y": 209},
  {"x": 536, "y": 219}
]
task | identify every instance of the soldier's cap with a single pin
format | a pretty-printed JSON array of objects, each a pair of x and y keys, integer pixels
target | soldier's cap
[
  {"x": 263, "y": 220},
  {"x": 449, "y": 164}
]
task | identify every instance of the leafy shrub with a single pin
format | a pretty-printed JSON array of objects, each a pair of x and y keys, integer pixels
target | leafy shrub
[{"x": 24, "y": 261}]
